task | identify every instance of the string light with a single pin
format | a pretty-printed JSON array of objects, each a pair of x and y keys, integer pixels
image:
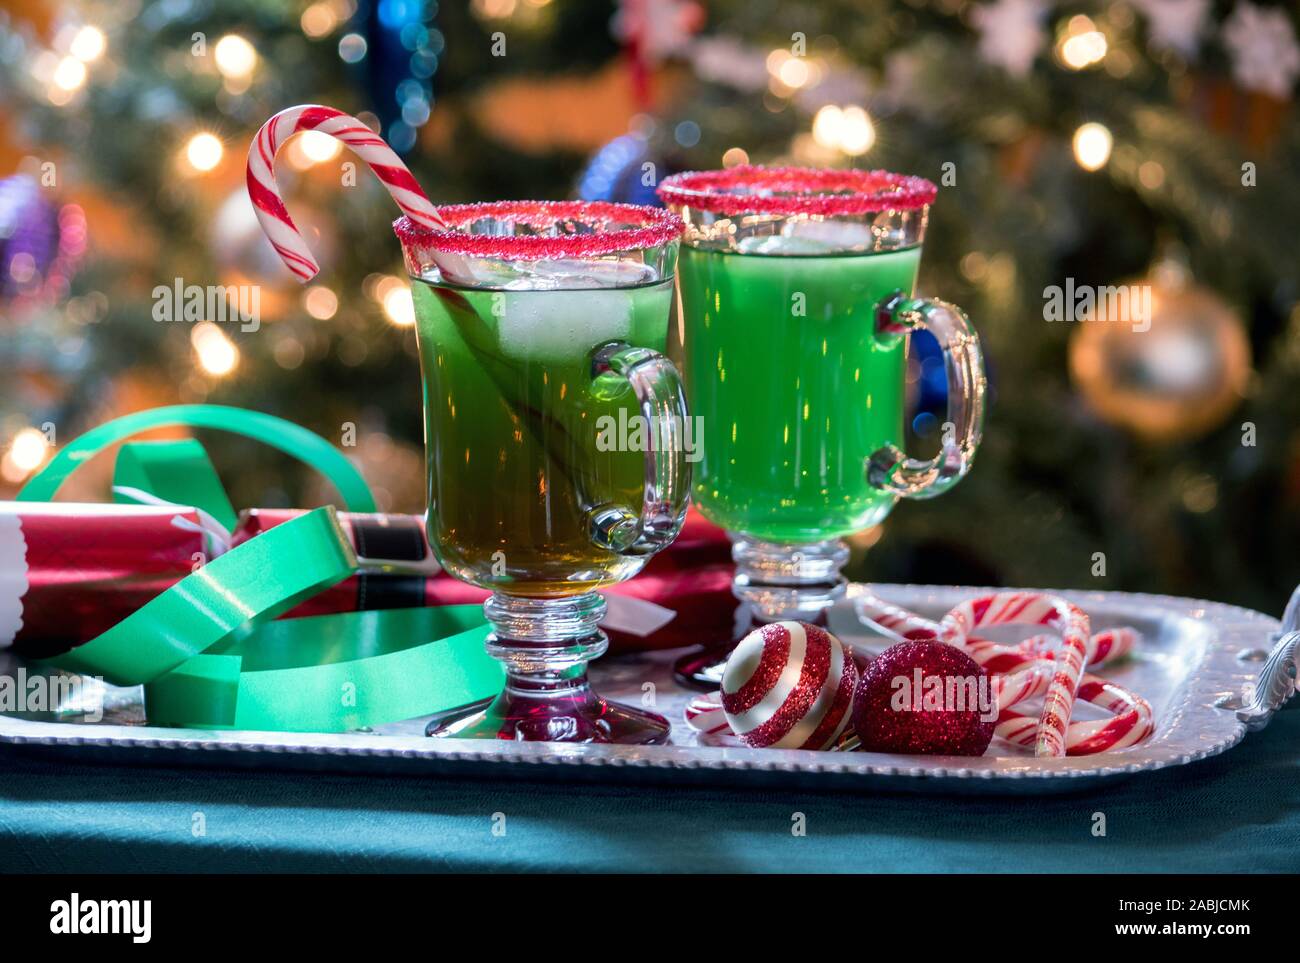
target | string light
[
  {"x": 794, "y": 73},
  {"x": 204, "y": 151},
  {"x": 217, "y": 354},
  {"x": 319, "y": 20},
  {"x": 1092, "y": 145},
  {"x": 858, "y": 133},
  {"x": 847, "y": 129},
  {"x": 70, "y": 74},
  {"x": 27, "y": 450},
  {"x": 827, "y": 125},
  {"x": 318, "y": 146},
  {"x": 399, "y": 307},
  {"x": 1082, "y": 44},
  {"x": 88, "y": 45},
  {"x": 395, "y": 298},
  {"x": 352, "y": 48},
  {"x": 235, "y": 57},
  {"x": 735, "y": 156},
  {"x": 494, "y": 9},
  {"x": 321, "y": 303}
]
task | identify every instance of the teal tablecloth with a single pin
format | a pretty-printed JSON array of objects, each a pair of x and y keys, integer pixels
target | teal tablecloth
[{"x": 1239, "y": 812}]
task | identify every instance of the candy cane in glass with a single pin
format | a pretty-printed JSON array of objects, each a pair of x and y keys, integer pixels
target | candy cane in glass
[{"x": 540, "y": 327}]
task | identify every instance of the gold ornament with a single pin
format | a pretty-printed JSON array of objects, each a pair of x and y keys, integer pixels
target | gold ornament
[{"x": 1168, "y": 369}]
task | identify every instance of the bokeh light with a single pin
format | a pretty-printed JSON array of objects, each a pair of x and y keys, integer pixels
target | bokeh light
[
  {"x": 398, "y": 305},
  {"x": 320, "y": 302},
  {"x": 858, "y": 134},
  {"x": 216, "y": 353},
  {"x": 735, "y": 156},
  {"x": 827, "y": 125},
  {"x": 204, "y": 151},
  {"x": 319, "y": 147},
  {"x": 1092, "y": 145},
  {"x": 70, "y": 74},
  {"x": 235, "y": 56},
  {"x": 28, "y": 449},
  {"x": 1082, "y": 45},
  {"x": 88, "y": 45}
]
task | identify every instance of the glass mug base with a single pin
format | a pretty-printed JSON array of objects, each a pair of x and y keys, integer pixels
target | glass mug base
[
  {"x": 774, "y": 581},
  {"x": 545, "y": 645},
  {"x": 581, "y": 716}
]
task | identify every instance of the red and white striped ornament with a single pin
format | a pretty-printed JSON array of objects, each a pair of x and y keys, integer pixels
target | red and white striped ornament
[
  {"x": 789, "y": 685},
  {"x": 363, "y": 141}
]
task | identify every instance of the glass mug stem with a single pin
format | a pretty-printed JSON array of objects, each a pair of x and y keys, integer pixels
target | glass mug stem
[
  {"x": 545, "y": 645},
  {"x": 780, "y": 580}
]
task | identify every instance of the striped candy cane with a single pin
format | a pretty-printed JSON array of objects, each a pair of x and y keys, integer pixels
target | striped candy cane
[
  {"x": 1025, "y": 671},
  {"x": 1131, "y": 722},
  {"x": 365, "y": 143},
  {"x": 1109, "y": 645},
  {"x": 1132, "y": 719},
  {"x": 1076, "y": 650},
  {"x": 705, "y": 715}
]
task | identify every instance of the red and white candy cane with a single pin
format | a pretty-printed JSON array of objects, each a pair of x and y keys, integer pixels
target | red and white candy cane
[
  {"x": 1022, "y": 673},
  {"x": 1074, "y": 652},
  {"x": 1131, "y": 721},
  {"x": 1029, "y": 675},
  {"x": 705, "y": 715},
  {"x": 365, "y": 143},
  {"x": 1109, "y": 645}
]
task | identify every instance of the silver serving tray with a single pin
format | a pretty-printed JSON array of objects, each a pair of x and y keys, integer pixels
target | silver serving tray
[{"x": 1198, "y": 664}]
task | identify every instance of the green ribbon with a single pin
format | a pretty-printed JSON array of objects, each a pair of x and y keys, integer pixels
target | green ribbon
[
  {"x": 329, "y": 673},
  {"x": 209, "y": 651},
  {"x": 289, "y": 438},
  {"x": 174, "y": 471}
]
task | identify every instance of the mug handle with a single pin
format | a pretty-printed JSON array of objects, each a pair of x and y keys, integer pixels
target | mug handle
[
  {"x": 889, "y": 468},
  {"x": 658, "y": 389}
]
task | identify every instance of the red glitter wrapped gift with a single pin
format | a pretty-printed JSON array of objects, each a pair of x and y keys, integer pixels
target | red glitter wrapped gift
[
  {"x": 686, "y": 588},
  {"x": 71, "y": 571}
]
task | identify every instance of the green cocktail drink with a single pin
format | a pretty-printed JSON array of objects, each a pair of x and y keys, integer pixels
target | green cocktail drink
[
  {"x": 795, "y": 388},
  {"x": 513, "y": 412},
  {"x": 796, "y": 296},
  {"x": 555, "y": 439}
]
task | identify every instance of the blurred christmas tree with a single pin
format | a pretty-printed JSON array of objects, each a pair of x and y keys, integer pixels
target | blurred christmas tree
[
  {"x": 1075, "y": 143},
  {"x": 143, "y": 111}
]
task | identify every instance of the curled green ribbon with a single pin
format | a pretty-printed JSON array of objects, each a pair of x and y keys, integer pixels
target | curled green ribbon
[
  {"x": 173, "y": 471},
  {"x": 209, "y": 651},
  {"x": 289, "y": 438},
  {"x": 329, "y": 673}
]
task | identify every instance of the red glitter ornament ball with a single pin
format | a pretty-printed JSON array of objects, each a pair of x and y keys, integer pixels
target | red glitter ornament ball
[{"x": 925, "y": 698}]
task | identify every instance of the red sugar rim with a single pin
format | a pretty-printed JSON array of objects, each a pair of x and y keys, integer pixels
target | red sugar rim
[
  {"x": 638, "y": 227},
  {"x": 752, "y": 189}
]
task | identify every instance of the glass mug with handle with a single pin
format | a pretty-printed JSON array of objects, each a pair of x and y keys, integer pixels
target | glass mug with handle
[
  {"x": 796, "y": 296},
  {"x": 540, "y": 326}
]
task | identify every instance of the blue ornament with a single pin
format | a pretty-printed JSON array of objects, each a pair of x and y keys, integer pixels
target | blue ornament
[
  {"x": 930, "y": 383},
  {"x": 402, "y": 51},
  {"x": 619, "y": 172}
]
